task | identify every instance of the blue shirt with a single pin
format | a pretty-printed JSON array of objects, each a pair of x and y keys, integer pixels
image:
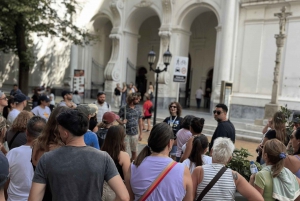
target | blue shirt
[{"x": 90, "y": 139}]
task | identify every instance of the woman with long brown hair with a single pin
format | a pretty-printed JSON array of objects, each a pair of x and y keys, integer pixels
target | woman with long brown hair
[
  {"x": 49, "y": 138},
  {"x": 114, "y": 145},
  {"x": 293, "y": 161},
  {"x": 275, "y": 181},
  {"x": 16, "y": 136}
]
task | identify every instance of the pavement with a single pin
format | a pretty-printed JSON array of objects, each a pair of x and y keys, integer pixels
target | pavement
[{"x": 242, "y": 140}]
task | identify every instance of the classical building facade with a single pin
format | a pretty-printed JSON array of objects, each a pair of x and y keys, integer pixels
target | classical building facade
[{"x": 230, "y": 41}]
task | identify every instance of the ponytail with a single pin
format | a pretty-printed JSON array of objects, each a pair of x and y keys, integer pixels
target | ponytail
[{"x": 143, "y": 154}]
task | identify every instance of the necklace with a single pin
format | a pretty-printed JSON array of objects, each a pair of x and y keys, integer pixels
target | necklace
[{"x": 172, "y": 122}]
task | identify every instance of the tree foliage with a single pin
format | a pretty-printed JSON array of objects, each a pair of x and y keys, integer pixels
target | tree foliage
[{"x": 19, "y": 19}]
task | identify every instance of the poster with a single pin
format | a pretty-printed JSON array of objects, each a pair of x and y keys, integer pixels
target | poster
[
  {"x": 180, "y": 69},
  {"x": 78, "y": 81}
]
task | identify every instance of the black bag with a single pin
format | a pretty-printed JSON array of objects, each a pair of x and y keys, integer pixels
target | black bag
[
  {"x": 151, "y": 96},
  {"x": 151, "y": 109}
]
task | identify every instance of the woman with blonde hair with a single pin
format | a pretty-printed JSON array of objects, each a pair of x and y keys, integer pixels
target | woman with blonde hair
[
  {"x": 275, "y": 181},
  {"x": 16, "y": 136},
  {"x": 3, "y": 127},
  {"x": 124, "y": 94}
]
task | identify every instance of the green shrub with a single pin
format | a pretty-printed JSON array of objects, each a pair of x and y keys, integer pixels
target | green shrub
[{"x": 241, "y": 164}]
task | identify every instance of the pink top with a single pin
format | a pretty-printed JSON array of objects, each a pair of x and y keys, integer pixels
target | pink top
[{"x": 183, "y": 135}]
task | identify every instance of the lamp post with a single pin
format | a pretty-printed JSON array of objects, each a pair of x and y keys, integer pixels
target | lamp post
[{"x": 151, "y": 59}]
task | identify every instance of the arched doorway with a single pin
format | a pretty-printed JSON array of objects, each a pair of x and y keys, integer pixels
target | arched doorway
[
  {"x": 202, "y": 54},
  {"x": 149, "y": 38}
]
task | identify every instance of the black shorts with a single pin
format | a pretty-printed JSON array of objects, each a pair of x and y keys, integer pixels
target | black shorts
[{"x": 147, "y": 117}]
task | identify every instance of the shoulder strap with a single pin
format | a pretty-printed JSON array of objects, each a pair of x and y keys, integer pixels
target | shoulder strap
[
  {"x": 157, "y": 181},
  {"x": 107, "y": 105},
  {"x": 13, "y": 139},
  {"x": 212, "y": 183}
]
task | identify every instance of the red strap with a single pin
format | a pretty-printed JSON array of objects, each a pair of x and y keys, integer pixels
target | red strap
[{"x": 160, "y": 177}]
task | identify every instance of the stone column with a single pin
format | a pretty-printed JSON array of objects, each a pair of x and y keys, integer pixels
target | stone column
[
  {"x": 273, "y": 107},
  {"x": 224, "y": 47}
]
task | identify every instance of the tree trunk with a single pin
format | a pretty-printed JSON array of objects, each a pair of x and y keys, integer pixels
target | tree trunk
[{"x": 22, "y": 52}]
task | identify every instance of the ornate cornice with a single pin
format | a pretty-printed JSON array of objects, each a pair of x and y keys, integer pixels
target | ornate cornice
[{"x": 144, "y": 3}]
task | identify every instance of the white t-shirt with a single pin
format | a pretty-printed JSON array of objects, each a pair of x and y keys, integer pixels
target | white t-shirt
[
  {"x": 52, "y": 102},
  {"x": 199, "y": 93},
  {"x": 102, "y": 109},
  {"x": 21, "y": 173},
  {"x": 42, "y": 112},
  {"x": 12, "y": 115},
  {"x": 206, "y": 160}
]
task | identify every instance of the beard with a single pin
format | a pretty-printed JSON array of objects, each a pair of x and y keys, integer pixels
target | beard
[{"x": 101, "y": 102}]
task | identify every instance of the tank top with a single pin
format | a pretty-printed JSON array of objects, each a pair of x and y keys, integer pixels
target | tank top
[
  {"x": 170, "y": 188},
  {"x": 298, "y": 172},
  {"x": 223, "y": 189},
  {"x": 120, "y": 170}
]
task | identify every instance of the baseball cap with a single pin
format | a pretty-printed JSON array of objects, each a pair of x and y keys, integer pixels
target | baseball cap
[
  {"x": 4, "y": 169},
  {"x": 109, "y": 117},
  {"x": 87, "y": 109},
  {"x": 44, "y": 98},
  {"x": 19, "y": 98},
  {"x": 65, "y": 92}
]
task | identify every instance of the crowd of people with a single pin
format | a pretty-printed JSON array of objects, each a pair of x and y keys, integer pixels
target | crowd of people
[{"x": 76, "y": 151}]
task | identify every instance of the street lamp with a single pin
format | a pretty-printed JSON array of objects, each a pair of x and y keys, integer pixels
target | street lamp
[{"x": 151, "y": 59}]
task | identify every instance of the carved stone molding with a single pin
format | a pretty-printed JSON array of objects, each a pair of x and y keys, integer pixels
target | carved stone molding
[
  {"x": 111, "y": 72},
  {"x": 165, "y": 38},
  {"x": 218, "y": 28},
  {"x": 115, "y": 7},
  {"x": 144, "y": 3}
]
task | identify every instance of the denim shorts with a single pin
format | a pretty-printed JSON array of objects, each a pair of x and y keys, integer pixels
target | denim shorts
[{"x": 174, "y": 150}]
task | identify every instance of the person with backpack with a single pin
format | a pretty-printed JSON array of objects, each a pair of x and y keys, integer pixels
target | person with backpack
[
  {"x": 102, "y": 105},
  {"x": 147, "y": 112}
]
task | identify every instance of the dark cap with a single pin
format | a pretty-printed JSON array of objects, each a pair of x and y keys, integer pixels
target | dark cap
[
  {"x": 44, "y": 98},
  {"x": 296, "y": 117},
  {"x": 19, "y": 98},
  {"x": 65, "y": 92},
  {"x": 4, "y": 169}
]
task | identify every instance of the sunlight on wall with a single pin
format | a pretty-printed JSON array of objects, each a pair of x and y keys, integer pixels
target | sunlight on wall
[{"x": 89, "y": 10}]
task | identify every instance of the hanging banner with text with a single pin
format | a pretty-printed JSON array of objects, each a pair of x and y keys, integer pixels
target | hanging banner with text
[
  {"x": 78, "y": 81},
  {"x": 180, "y": 69}
]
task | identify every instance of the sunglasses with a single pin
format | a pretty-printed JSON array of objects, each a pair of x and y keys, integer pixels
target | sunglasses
[
  {"x": 5, "y": 98},
  {"x": 218, "y": 112},
  {"x": 173, "y": 106}
]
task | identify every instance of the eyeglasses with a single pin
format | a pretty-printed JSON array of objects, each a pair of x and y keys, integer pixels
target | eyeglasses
[
  {"x": 5, "y": 98},
  {"x": 218, "y": 112},
  {"x": 173, "y": 106}
]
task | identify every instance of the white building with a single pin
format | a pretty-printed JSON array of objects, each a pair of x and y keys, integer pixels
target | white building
[{"x": 227, "y": 40}]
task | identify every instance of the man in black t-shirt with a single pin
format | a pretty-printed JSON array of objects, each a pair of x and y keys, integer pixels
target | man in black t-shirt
[{"x": 225, "y": 128}]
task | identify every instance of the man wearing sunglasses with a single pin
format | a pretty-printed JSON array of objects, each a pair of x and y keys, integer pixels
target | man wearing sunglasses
[{"x": 225, "y": 128}]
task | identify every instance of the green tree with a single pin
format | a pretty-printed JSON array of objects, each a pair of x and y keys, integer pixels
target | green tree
[{"x": 21, "y": 18}]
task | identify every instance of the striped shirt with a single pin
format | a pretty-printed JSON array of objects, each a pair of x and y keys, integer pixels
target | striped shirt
[{"x": 224, "y": 189}]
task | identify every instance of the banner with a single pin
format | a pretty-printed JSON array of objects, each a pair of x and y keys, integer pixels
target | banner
[
  {"x": 180, "y": 69},
  {"x": 78, "y": 81}
]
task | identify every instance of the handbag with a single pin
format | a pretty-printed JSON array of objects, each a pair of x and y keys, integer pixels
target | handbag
[
  {"x": 212, "y": 183},
  {"x": 157, "y": 181}
]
